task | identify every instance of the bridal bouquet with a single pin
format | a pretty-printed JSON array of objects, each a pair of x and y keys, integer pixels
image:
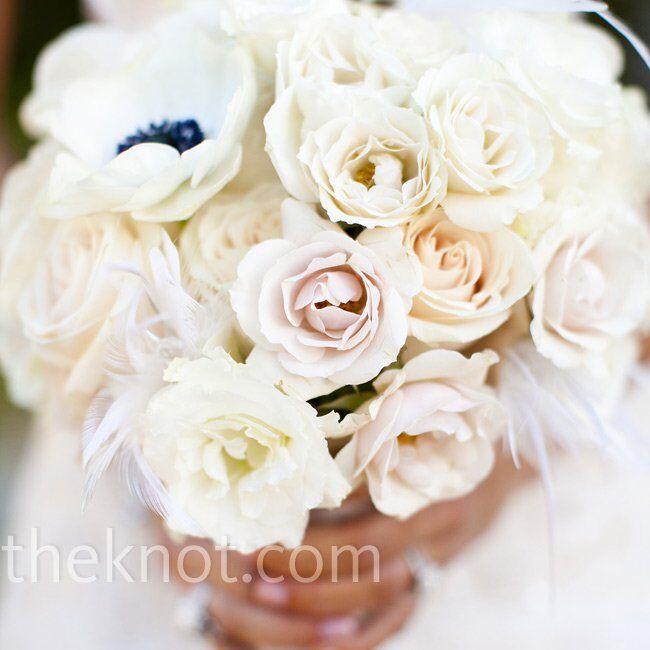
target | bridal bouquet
[{"x": 271, "y": 251}]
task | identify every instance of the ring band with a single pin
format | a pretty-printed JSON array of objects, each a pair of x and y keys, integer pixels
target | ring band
[
  {"x": 427, "y": 574},
  {"x": 192, "y": 612}
]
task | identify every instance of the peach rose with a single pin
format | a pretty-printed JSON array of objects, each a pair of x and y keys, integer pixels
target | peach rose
[{"x": 471, "y": 279}]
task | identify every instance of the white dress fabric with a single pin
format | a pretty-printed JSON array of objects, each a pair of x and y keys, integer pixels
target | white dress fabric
[{"x": 496, "y": 596}]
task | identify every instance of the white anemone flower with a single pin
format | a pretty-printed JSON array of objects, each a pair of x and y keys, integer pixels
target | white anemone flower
[{"x": 150, "y": 121}]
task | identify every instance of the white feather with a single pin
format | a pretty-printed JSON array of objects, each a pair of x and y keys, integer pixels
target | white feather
[
  {"x": 626, "y": 32},
  {"x": 551, "y": 408},
  {"x": 548, "y": 409},
  {"x": 143, "y": 483},
  {"x": 162, "y": 322}
]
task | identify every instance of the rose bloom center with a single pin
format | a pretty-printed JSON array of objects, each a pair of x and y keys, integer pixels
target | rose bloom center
[{"x": 332, "y": 301}]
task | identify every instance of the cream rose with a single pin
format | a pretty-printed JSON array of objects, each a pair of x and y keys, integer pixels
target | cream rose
[
  {"x": 327, "y": 305},
  {"x": 429, "y": 434},
  {"x": 495, "y": 140},
  {"x": 419, "y": 43},
  {"x": 593, "y": 285},
  {"x": 328, "y": 64},
  {"x": 562, "y": 62},
  {"x": 218, "y": 237},
  {"x": 471, "y": 279},
  {"x": 263, "y": 24},
  {"x": 67, "y": 307},
  {"x": 23, "y": 231},
  {"x": 245, "y": 462},
  {"x": 373, "y": 167},
  {"x": 344, "y": 50},
  {"x": 619, "y": 173}
]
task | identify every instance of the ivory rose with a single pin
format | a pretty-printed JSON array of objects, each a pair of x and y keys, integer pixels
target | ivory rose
[
  {"x": 23, "y": 231},
  {"x": 327, "y": 305},
  {"x": 429, "y": 434},
  {"x": 244, "y": 461},
  {"x": 373, "y": 167},
  {"x": 343, "y": 50},
  {"x": 263, "y": 24},
  {"x": 323, "y": 71},
  {"x": 419, "y": 43},
  {"x": 495, "y": 140},
  {"x": 619, "y": 170},
  {"x": 67, "y": 307},
  {"x": 568, "y": 66},
  {"x": 223, "y": 231},
  {"x": 593, "y": 285},
  {"x": 471, "y": 279}
]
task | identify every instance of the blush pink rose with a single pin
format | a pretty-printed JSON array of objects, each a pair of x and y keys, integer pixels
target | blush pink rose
[
  {"x": 328, "y": 306},
  {"x": 428, "y": 435}
]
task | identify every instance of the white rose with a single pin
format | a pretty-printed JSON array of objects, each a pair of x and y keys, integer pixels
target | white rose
[
  {"x": 139, "y": 133},
  {"x": 419, "y": 43},
  {"x": 329, "y": 306},
  {"x": 567, "y": 65},
  {"x": 372, "y": 166},
  {"x": 593, "y": 287},
  {"x": 471, "y": 279},
  {"x": 620, "y": 173},
  {"x": 344, "y": 50},
  {"x": 327, "y": 63},
  {"x": 495, "y": 140},
  {"x": 429, "y": 434},
  {"x": 24, "y": 233},
  {"x": 246, "y": 462},
  {"x": 218, "y": 237},
  {"x": 262, "y": 24},
  {"x": 66, "y": 308}
]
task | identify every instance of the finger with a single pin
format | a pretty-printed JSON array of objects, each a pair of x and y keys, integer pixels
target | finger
[
  {"x": 444, "y": 548},
  {"x": 254, "y": 625},
  {"x": 352, "y": 547},
  {"x": 328, "y": 597},
  {"x": 480, "y": 509},
  {"x": 356, "y": 505},
  {"x": 199, "y": 560},
  {"x": 470, "y": 516},
  {"x": 436, "y": 521},
  {"x": 228, "y": 644},
  {"x": 339, "y": 548},
  {"x": 379, "y": 628},
  {"x": 645, "y": 350}
]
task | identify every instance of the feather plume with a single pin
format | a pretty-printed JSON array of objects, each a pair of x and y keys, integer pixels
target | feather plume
[
  {"x": 555, "y": 408},
  {"x": 552, "y": 408},
  {"x": 163, "y": 322}
]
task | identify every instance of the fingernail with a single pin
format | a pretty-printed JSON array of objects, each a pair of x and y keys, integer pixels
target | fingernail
[
  {"x": 271, "y": 593},
  {"x": 337, "y": 627}
]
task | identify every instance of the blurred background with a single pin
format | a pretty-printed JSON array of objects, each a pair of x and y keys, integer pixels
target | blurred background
[{"x": 25, "y": 27}]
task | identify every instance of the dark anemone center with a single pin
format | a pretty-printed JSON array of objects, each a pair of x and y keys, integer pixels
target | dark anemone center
[{"x": 181, "y": 134}]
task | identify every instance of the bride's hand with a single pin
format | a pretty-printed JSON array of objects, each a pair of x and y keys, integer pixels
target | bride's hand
[{"x": 352, "y": 605}]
